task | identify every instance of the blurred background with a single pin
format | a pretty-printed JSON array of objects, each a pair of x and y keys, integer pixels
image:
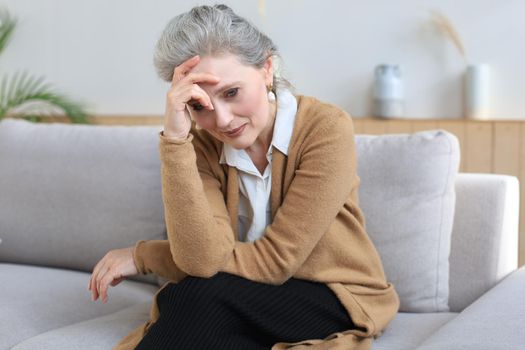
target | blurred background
[{"x": 100, "y": 52}]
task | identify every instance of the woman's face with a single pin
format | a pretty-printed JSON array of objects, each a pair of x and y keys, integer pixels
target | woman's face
[{"x": 239, "y": 99}]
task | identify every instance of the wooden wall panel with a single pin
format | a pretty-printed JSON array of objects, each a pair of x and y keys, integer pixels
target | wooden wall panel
[
  {"x": 458, "y": 129},
  {"x": 506, "y": 159},
  {"x": 399, "y": 126},
  {"x": 112, "y": 120},
  {"x": 127, "y": 120},
  {"x": 374, "y": 127},
  {"x": 358, "y": 125},
  {"x": 479, "y": 146},
  {"x": 419, "y": 125}
]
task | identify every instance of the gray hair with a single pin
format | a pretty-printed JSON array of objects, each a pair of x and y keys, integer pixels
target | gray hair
[{"x": 213, "y": 30}]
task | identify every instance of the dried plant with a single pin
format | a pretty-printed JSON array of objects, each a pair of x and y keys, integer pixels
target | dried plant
[
  {"x": 445, "y": 26},
  {"x": 261, "y": 7}
]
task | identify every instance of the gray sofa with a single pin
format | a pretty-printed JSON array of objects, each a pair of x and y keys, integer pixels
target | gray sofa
[{"x": 70, "y": 193}]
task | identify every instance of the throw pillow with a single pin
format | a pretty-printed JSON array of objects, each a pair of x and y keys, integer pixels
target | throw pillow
[{"x": 407, "y": 196}]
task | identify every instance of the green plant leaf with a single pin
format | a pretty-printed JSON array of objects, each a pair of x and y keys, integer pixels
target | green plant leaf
[
  {"x": 7, "y": 26},
  {"x": 22, "y": 89}
]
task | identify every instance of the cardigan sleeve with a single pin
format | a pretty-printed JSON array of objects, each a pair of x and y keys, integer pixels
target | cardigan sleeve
[
  {"x": 197, "y": 221},
  {"x": 154, "y": 257},
  {"x": 199, "y": 229}
]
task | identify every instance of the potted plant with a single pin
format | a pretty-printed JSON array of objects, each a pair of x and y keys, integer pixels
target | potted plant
[{"x": 20, "y": 91}]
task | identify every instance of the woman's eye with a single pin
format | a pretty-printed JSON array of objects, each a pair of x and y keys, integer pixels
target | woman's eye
[
  {"x": 232, "y": 92},
  {"x": 197, "y": 106}
]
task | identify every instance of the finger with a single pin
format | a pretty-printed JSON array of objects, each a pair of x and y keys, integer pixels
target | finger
[
  {"x": 102, "y": 292},
  {"x": 104, "y": 285},
  {"x": 191, "y": 96},
  {"x": 198, "y": 78},
  {"x": 198, "y": 95},
  {"x": 203, "y": 78},
  {"x": 182, "y": 69},
  {"x": 100, "y": 273},
  {"x": 100, "y": 286},
  {"x": 90, "y": 286},
  {"x": 94, "y": 292},
  {"x": 96, "y": 278},
  {"x": 104, "y": 282},
  {"x": 96, "y": 270},
  {"x": 90, "y": 283}
]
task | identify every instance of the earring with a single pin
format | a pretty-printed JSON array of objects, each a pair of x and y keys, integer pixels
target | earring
[{"x": 271, "y": 94}]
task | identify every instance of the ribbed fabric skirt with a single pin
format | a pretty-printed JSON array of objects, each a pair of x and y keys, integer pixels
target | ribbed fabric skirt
[{"x": 230, "y": 312}]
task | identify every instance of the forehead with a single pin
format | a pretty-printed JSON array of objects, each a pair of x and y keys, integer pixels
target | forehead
[{"x": 224, "y": 66}]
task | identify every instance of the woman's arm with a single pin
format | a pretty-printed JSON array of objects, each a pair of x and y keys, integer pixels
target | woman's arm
[
  {"x": 199, "y": 229},
  {"x": 197, "y": 221},
  {"x": 154, "y": 256}
]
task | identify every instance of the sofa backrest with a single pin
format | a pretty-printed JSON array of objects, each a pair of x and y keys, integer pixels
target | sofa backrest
[{"x": 71, "y": 193}]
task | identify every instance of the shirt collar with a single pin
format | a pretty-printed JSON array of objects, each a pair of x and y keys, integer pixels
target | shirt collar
[{"x": 282, "y": 131}]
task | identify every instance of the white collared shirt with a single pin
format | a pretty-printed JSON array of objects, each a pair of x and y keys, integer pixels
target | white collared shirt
[{"x": 254, "y": 200}]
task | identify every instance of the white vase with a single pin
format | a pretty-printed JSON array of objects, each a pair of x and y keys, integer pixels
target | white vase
[
  {"x": 477, "y": 92},
  {"x": 388, "y": 91}
]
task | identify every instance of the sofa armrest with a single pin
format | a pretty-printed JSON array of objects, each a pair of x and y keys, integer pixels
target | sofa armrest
[
  {"x": 494, "y": 321},
  {"x": 484, "y": 237}
]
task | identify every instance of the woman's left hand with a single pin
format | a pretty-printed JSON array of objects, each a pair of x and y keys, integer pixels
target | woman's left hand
[{"x": 112, "y": 269}]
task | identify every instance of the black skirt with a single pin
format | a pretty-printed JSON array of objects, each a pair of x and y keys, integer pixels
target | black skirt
[{"x": 230, "y": 312}]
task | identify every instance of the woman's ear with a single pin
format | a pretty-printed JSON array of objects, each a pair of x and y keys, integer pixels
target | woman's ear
[{"x": 268, "y": 70}]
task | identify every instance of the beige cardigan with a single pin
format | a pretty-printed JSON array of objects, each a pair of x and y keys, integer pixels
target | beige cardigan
[{"x": 317, "y": 233}]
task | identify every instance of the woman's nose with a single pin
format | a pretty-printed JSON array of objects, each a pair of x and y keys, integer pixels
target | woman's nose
[{"x": 223, "y": 117}]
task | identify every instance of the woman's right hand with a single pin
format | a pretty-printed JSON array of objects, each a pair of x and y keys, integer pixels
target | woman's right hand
[
  {"x": 112, "y": 269},
  {"x": 184, "y": 90}
]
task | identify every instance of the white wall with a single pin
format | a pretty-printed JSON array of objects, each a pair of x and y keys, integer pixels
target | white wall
[{"x": 100, "y": 51}]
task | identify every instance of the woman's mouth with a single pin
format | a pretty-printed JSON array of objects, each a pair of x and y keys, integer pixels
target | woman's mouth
[{"x": 235, "y": 132}]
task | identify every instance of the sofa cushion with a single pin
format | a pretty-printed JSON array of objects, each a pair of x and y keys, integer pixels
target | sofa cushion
[
  {"x": 408, "y": 330},
  {"x": 38, "y": 299},
  {"x": 70, "y": 193},
  {"x": 494, "y": 321},
  {"x": 99, "y": 333},
  {"x": 407, "y": 196}
]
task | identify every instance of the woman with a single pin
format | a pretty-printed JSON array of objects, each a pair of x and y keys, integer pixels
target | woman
[{"x": 266, "y": 243}]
